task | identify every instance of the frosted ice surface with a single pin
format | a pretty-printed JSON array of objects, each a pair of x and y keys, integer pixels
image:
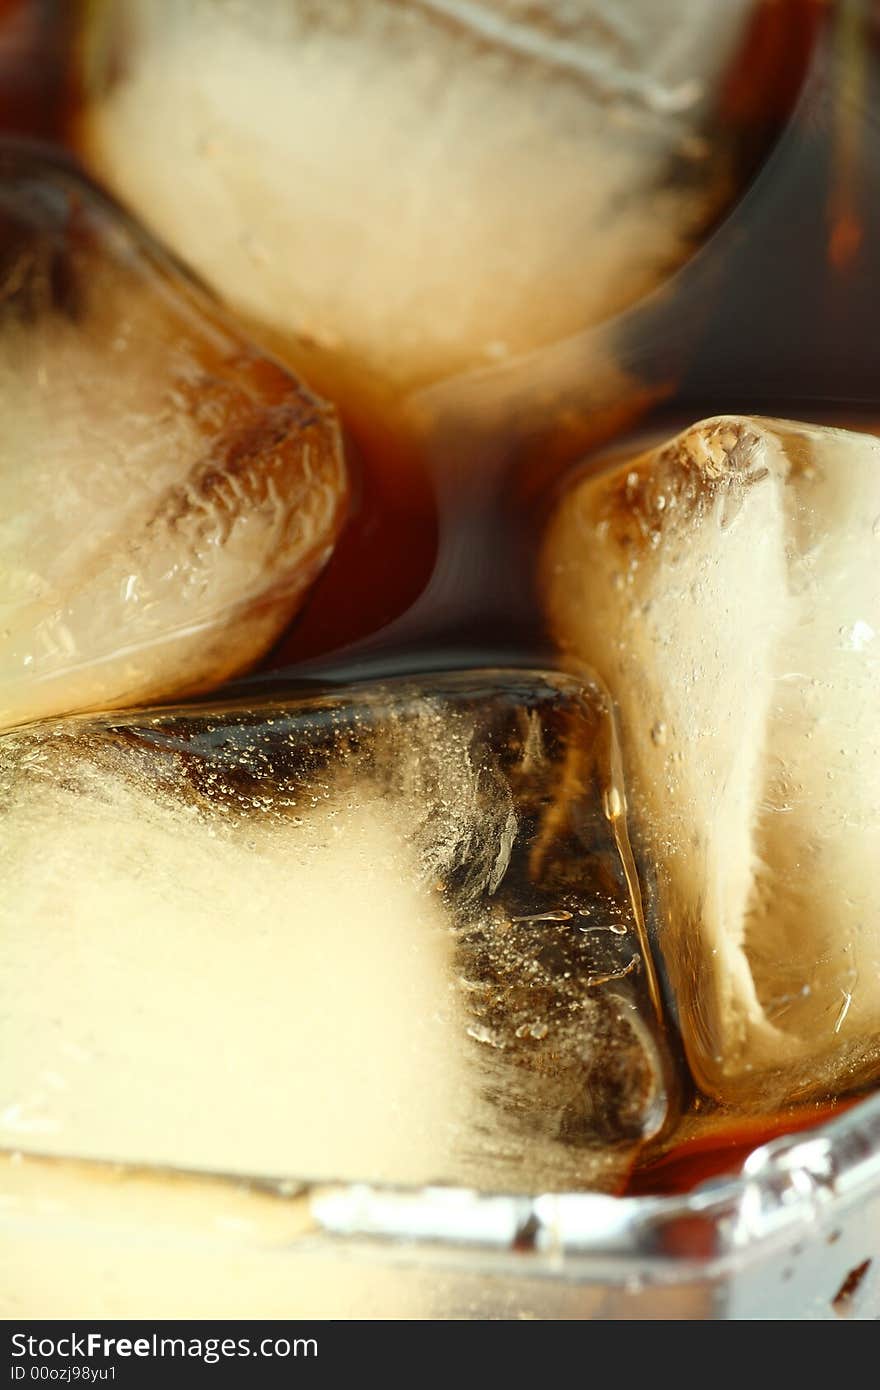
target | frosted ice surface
[
  {"x": 388, "y": 934},
  {"x": 413, "y": 189},
  {"x": 166, "y": 493},
  {"x": 727, "y": 587}
]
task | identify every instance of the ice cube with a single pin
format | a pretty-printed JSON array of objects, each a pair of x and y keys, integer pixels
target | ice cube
[
  {"x": 391, "y": 933},
  {"x": 727, "y": 587},
  {"x": 167, "y": 493},
  {"x": 407, "y": 191}
]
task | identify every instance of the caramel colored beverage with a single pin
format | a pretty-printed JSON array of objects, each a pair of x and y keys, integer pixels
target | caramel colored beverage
[{"x": 441, "y": 521}]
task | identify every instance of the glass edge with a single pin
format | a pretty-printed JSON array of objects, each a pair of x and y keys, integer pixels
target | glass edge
[{"x": 784, "y": 1187}]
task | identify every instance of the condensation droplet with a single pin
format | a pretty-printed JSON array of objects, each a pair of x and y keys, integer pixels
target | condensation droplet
[
  {"x": 605, "y": 978},
  {"x": 616, "y": 928},
  {"x": 559, "y": 915},
  {"x": 536, "y": 1030}
]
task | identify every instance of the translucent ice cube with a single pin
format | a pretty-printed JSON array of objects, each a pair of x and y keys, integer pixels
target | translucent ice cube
[
  {"x": 391, "y": 933},
  {"x": 166, "y": 493},
  {"x": 410, "y": 190},
  {"x": 727, "y": 587}
]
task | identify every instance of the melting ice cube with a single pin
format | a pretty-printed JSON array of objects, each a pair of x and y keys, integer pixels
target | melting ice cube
[
  {"x": 405, "y": 191},
  {"x": 167, "y": 494},
  {"x": 392, "y": 933},
  {"x": 727, "y": 587}
]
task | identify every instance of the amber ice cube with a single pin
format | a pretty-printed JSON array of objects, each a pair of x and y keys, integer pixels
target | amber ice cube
[
  {"x": 726, "y": 585},
  {"x": 407, "y": 191},
  {"x": 389, "y": 933},
  {"x": 167, "y": 493}
]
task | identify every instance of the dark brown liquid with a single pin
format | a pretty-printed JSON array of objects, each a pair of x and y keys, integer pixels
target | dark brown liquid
[
  {"x": 775, "y": 315},
  {"x": 708, "y": 1143},
  {"x": 35, "y": 37}
]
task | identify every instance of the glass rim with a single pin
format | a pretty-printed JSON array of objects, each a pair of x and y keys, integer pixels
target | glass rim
[{"x": 785, "y": 1188}]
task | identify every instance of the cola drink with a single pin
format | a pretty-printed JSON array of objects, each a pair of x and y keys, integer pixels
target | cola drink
[{"x": 474, "y": 395}]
